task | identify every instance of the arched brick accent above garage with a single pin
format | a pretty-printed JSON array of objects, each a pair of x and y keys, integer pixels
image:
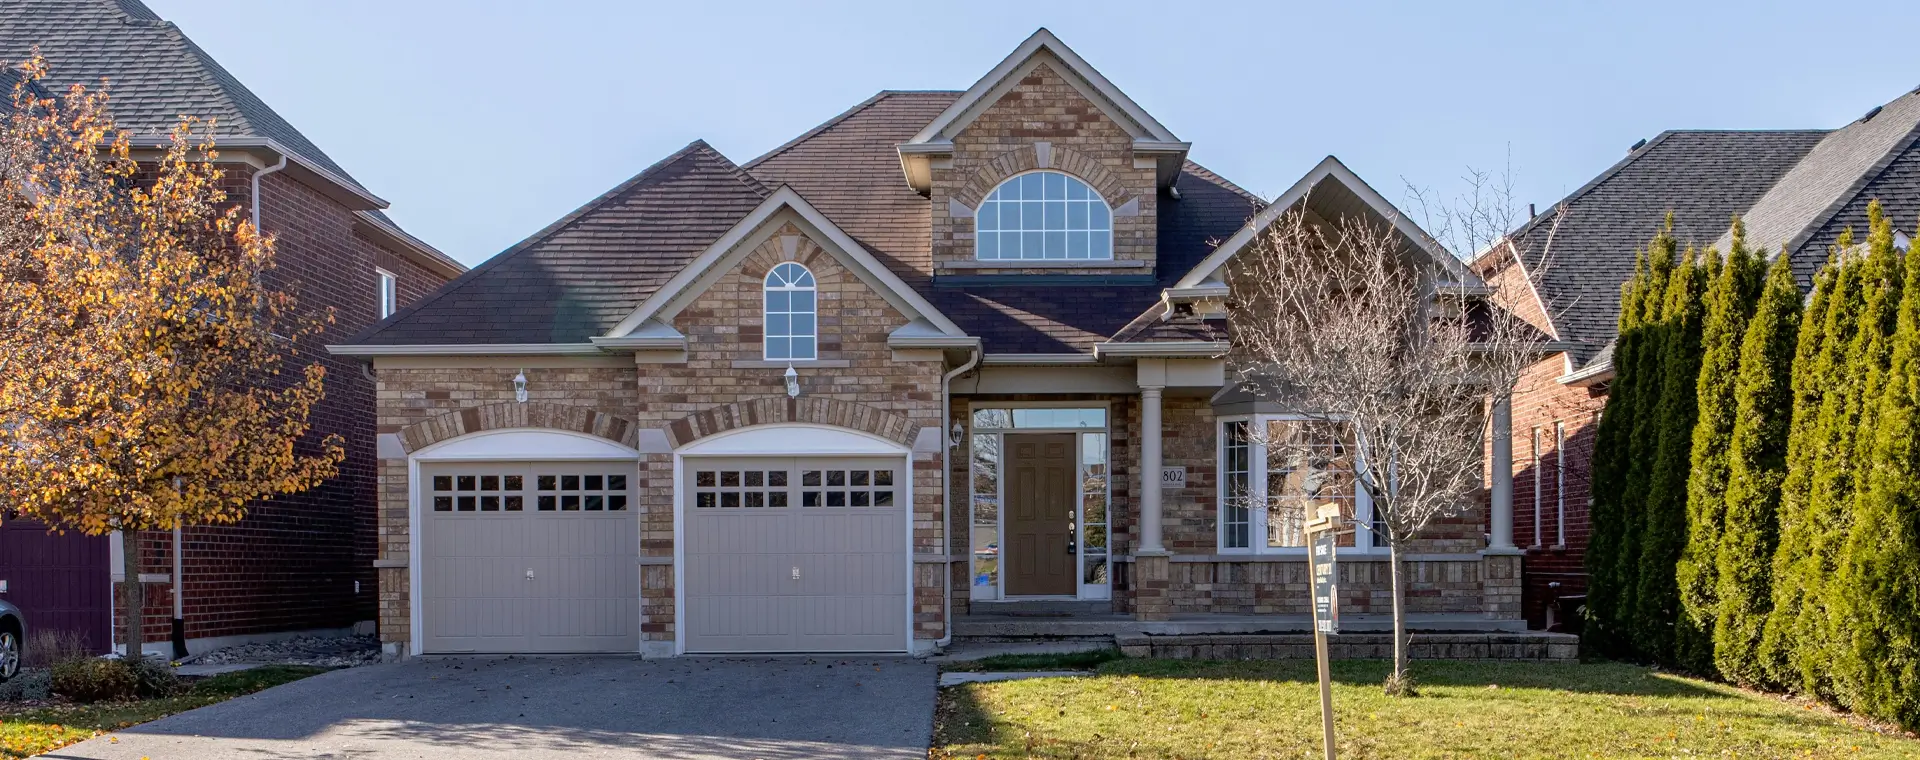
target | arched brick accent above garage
[
  {"x": 779, "y": 409},
  {"x": 579, "y": 419},
  {"x": 1059, "y": 158}
]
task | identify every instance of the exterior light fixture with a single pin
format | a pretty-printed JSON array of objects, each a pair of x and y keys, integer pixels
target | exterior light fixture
[
  {"x": 520, "y": 386},
  {"x": 793, "y": 382},
  {"x": 954, "y": 435}
]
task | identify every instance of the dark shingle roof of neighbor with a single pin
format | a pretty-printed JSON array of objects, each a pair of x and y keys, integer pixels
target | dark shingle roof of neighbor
[
  {"x": 583, "y": 274},
  {"x": 1703, "y": 178},
  {"x": 154, "y": 73}
]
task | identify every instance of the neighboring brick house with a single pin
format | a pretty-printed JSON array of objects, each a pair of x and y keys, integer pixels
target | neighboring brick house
[
  {"x": 945, "y": 352},
  {"x": 1796, "y": 191},
  {"x": 298, "y": 563}
]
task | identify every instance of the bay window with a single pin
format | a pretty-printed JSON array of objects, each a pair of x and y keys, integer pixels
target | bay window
[{"x": 1275, "y": 472}]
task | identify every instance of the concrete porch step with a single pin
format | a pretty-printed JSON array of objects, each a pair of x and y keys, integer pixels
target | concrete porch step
[
  {"x": 981, "y": 627},
  {"x": 1042, "y": 608}
]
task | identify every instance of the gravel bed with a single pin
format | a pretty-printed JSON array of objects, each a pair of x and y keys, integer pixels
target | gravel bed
[{"x": 322, "y": 651}]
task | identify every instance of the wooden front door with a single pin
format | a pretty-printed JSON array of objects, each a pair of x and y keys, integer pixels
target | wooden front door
[{"x": 1039, "y": 554}]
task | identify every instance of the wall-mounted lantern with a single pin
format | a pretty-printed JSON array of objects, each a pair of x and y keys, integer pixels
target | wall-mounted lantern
[
  {"x": 520, "y": 387},
  {"x": 793, "y": 382},
  {"x": 955, "y": 435}
]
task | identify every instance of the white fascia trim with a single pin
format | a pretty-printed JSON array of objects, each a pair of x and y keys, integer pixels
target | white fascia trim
[
  {"x": 268, "y": 145},
  {"x": 942, "y": 341},
  {"x": 863, "y": 262},
  {"x": 1204, "y": 349},
  {"x": 413, "y": 248},
  {"x": 1598, "y": 373},
  {"x": 1043, "y": 39},
  {"x": 1329, "y": 167},
  {"x": 640, "y": 344},
  {"x": 1038, "y": 359},
  {"x": 1209, "y": 289},
  {"x": 1161, "y": 146},
  {"x": 470, "y": 349}
]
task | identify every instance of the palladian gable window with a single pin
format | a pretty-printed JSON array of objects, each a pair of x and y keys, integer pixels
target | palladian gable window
[{"x": 1043, "y": 215}]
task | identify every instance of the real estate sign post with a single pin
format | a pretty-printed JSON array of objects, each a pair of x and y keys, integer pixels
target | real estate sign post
[{"x": 1322, "y": 534}]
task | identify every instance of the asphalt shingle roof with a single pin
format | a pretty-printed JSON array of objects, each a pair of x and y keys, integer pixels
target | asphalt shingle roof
[
  {"x": 1828, "y": 178},
  {"x": 610, "y": 255},
  {"x": 584, "y": 273},
  {"x": 1703, "y": 178},
  {"x": 154, "y": 73}
]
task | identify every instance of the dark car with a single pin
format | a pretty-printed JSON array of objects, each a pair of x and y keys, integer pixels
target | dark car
[{"x": 13, "y": 638}]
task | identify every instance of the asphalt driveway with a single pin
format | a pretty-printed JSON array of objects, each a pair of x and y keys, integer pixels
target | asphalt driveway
[{"x": 537, "y": 708}]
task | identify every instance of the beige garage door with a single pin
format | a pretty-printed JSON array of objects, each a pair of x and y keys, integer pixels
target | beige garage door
[
  {"x": 530, "y": 557},
  {"x": 796, "y": 555}
]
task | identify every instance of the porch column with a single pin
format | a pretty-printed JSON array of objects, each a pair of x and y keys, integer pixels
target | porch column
[
  {"x": 1501, "y": 529},
  {"x": 1151, "y": 571},
  {"x": 1150, "y": 429}
]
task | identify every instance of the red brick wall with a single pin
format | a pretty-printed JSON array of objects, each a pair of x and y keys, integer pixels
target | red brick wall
[
  {"x": 293, "y": 563},
  {"x": 1540, "y": 403}
]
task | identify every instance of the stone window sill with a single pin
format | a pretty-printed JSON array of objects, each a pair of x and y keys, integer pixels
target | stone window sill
[{"x": 1046, "y": 264}]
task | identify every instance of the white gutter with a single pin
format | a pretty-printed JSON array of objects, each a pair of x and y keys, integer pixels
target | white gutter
[
  {"x": 256, "y": 190},
  {"x": 631, "y": 343},
  {"x": 946, "y": 485},
  {"x": 1191, "y": 349},
  {"x": 1593, "y": 375},
  {"x": 469, "y": 349},
  {"x": 1038, "y": 359}
]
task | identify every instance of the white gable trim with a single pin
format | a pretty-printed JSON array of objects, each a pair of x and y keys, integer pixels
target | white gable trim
[
  {"x": 1004, "y": 76},
  {"x": 693, "y": 279},
  {"x": 1328, "y": 168}
]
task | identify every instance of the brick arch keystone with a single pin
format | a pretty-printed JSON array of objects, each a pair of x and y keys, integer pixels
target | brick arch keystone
[
  {"x": 779, "y": 409},
  {"x": 1027, "y": 158},
  {"x": 532, "y": 414}
]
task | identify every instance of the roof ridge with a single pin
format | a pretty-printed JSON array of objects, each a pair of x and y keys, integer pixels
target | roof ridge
[
  {"x": 1854, "y": 188},
  {"x": 830, "y": 123},
  {"x": 691, "y": 150}
]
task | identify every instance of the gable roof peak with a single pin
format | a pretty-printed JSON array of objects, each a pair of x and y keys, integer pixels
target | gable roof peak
[{"x": 1042, "y": 47}]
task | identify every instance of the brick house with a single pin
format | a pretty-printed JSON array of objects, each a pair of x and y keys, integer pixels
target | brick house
[
  {"x": 1795, "y": 189},
  {"x": 299, "y": 563},
  {"x": 947, "y": 353}
]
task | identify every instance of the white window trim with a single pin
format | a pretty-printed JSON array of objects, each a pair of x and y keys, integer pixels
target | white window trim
[
  {"x": 1082, "y": 589},
  {"x": 766, "y": 287},
  {"x": 1560, "y": 482},
  {"x": 1363, "y": 539},
  {"x": 1095, "y": 195},
  {"x": 1534, "y": 454},
  {"x": 387, "y": 292}
]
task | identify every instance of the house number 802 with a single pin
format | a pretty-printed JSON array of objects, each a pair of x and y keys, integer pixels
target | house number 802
[{"x": 1173, "y": 477}]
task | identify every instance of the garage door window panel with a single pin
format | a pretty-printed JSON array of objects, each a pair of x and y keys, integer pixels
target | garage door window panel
[
  {"x": 557, "y": 492},
  {"x": 478, "y": 493}
]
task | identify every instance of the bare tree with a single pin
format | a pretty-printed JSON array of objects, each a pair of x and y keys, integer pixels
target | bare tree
[{"x": 1390, "y": 356}]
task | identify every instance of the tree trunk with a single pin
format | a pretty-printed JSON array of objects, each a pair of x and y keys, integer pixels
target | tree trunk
[
  {"x": 1397, "y": 684},
  {"x": 133, "y": 596}
]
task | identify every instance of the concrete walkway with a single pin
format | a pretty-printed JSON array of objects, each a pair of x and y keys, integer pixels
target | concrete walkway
[{"x": 549, "y": 708}]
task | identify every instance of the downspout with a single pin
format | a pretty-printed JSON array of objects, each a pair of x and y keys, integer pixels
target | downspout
[
  {"x": 256, "y": 189},
  {"x": 179, "y": 601},
  {"x": 946, "y": 482}
]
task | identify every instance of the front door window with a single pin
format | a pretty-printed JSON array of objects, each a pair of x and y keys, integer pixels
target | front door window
[{"x": 1038, "y": 482}]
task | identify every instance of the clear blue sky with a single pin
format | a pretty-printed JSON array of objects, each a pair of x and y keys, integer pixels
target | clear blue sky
[{"x": 484, "y": 121}]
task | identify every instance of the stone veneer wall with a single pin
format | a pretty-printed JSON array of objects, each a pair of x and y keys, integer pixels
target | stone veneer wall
[
  {"x": 1081, "y": 141},
  {"x": 720, "y": 385}
]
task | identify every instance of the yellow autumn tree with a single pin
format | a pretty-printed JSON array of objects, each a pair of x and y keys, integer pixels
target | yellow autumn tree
[{"x": 148, "y": 364}]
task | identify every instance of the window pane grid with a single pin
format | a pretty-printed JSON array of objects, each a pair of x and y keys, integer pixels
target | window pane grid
[
  {"x": 791, "y": 313},
  {"x": 1236, "y": 518},
  {"x": 1043, "y": 216}
]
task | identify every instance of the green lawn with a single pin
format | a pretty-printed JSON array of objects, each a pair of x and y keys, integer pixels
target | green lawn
[
  {"x": 29, "y": 732},
  {"x": 1190, "y": 709}
]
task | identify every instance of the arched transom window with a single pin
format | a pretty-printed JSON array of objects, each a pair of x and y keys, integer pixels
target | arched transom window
[
  {"x": 1043, "y": 215},
  {"x": 790, "y": 313}
]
